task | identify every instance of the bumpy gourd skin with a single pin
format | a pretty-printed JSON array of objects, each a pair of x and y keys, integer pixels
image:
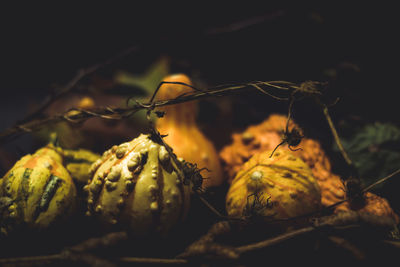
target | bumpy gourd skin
[
  {"x": 37, "y": 191},
  {"x": 284, "y": 179},
  {"x": 139, "y": 185},
  {"x": 267, "y": 135}
]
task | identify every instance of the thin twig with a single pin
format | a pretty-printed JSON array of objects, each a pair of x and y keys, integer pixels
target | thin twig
[
  {"x": 347, "y": 245},
  {"x": 275, "y": 240},
  {"x": 82, "y": 73},
  {"x": 384, "y": 179},
  {"x": 90, "y": 244},
  {"x": 32, "y": 259},
  {"x": 152, "y": 260},
  {"x": 267, "y": 93},
  {"x": 80, "y": 115},
  {"x": 206, "y": 244},
  {"x": 89, "y": 259},
  {"x": 336, "y": 137},
  {"x": 216, "y": 212}
]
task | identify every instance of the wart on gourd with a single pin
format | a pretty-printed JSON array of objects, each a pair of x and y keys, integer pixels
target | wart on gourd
[
  {"x": 282, "y": 179},
  {"x": 37, "y": 191},
  {"x": 139, "y": 186}
]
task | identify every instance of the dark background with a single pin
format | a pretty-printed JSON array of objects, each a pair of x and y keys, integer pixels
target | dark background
[{"x": 354, "y": 47}]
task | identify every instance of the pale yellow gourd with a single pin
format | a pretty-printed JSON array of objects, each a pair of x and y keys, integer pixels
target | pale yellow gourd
[{"x": 139, "y": 186}]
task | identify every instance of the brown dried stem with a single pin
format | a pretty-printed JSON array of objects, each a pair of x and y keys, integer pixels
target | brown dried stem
[
  {"x": 207, "y": 248},
  {"x": 336, "y": 136},
  {"x": 152, "y": 260},
  {"x": 108, "y": 240},
  {"x": 384, "y": 179},
  {"x": 80, "y": 115},
  {"x": 206, "y": 244},
  {"x": 347, "y": 245}
]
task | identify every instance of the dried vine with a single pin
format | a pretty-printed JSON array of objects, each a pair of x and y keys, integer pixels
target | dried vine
[
  {"x": 207, "y": 248},
  {"x": 76, "y": 115}
]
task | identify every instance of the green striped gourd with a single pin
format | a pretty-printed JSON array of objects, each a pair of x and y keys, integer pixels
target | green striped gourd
[
  {"x": 139, "y": 186},
  {"x": 37, "y": 191}
]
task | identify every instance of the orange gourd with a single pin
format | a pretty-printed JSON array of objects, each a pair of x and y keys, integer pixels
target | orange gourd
[
  {"x": 284, "y": 180},
  {"x": 184, "y": 135},
  {"x": 268, "y": 134},
  {"x": 372, "y": 204}
]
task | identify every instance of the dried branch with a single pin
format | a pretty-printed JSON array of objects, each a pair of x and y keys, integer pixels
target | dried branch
[
  {"x": 80, "y": 115},
  {"x": 33, "y": 259},
  {"x": 275, "y": 240},
  {"x": 347, "y": 245},
  {"x": 152, "y": 260},
  {"x": 384, "y": 179},
  {"x": 108, "y": 240},
  {"x": 88, "y": 259},
  {"x": 206, "y": 244},
  {"x": 336, "y": 137},
  {"x": 82, "y": 252}
]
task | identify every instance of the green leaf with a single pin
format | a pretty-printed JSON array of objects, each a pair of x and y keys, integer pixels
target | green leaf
[
  {"x": 374, "y": 149},
  {"x": 148, "y": 81}
]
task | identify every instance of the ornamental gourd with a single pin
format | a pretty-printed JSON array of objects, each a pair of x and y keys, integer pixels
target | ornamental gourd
[
  {"x": 37, "y": 191},
  {"x": 268, "y": 134},
  {"x": 283, "y": 180},
  {"x": 139, "y": 186},
  {"x": 183, "y": 133}
]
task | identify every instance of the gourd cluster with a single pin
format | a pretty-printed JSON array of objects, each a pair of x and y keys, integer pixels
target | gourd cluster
[{"x": 140, "y": 184}]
